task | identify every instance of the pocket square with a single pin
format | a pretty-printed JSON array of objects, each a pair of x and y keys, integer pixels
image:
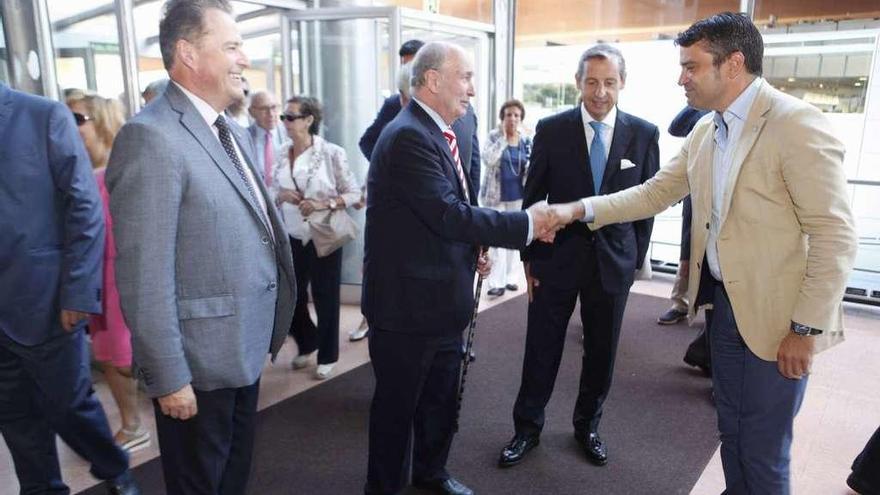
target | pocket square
[{"x": 625, "y": 164}]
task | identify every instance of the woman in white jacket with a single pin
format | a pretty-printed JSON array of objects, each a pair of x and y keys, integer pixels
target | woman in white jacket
[
  {"x": 312, "y": 174},
  {"x": 506, "y": 161}
]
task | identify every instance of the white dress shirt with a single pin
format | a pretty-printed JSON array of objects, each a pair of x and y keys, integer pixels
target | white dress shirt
[{"x": 607, "y": 131}]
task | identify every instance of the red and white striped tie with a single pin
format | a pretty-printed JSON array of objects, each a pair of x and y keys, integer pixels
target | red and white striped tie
[{"x": 453, "y": 146}]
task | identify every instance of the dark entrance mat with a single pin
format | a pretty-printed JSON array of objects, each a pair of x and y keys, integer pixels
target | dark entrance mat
[{"x": 659, "y": 423}]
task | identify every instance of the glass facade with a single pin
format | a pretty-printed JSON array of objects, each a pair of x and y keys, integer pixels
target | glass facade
[{"x": 824, "y": 53}]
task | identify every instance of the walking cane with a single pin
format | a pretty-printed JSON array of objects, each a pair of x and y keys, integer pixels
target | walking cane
[{"x": 466, "y": 357}]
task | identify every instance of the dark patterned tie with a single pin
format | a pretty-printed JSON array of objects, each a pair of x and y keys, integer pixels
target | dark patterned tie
[{"x": 226, "y": 141}]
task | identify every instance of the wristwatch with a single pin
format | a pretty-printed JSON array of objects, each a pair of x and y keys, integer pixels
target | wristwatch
[
  {"x": 804, "y": 330},
  {"x": 332, "y": 203}
]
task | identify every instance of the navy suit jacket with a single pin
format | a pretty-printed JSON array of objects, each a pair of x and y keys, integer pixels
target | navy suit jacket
[
  {"x": 421, "y": 236},
  {"x": 52, "y": 241},
  {"x": 469, "y": 149},
  {"x": 560, "y": 172}
]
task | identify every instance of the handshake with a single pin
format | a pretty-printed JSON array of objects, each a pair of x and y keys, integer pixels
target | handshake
[{"x": 548, "y": 219}]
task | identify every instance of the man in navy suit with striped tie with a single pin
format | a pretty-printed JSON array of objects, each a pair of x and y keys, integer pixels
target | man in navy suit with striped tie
[{"x": 423, "y": 233}]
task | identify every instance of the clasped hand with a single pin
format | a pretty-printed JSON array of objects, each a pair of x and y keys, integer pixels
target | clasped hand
[{"x": 548, "y": 219}]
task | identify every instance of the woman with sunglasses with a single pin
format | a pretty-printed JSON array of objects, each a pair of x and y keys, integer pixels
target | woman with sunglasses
[
  {"x": 311, "y": 175},
  {"x": 98, "y": 120},
  {"x": 506, "y": 158}
]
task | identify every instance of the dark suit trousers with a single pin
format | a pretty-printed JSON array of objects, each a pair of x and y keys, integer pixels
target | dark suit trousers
[
  {"x": 548, "y": 317},
  {"x": 323, "y": 275},
  {"x": 47, "y": 389},
  {"x": 414, "y": 406},
  {"x": 210, "y": 454},
  {"x": 756, "y": 406}
]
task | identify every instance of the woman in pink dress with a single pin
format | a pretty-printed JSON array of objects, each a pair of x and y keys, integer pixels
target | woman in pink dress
[{"x": 98, "y": 120}]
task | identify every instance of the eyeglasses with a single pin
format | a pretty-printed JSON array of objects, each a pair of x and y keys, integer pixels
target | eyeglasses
[
  {"x": 290, "y": 117},
  {"x": 81, "y": 119}
]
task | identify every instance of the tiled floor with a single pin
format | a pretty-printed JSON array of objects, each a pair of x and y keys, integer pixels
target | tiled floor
[{"x": 841, "y": 410}]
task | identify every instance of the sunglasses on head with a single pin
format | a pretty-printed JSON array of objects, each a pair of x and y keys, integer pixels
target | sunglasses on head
[
  {"x": 290, "y": 117},
  {"x": 80, "y": 118}
]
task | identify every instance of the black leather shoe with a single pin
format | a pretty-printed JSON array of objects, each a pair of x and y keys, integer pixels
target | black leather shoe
[
  {"x": 671, "y": 317},
  {"x": 498, "y": 291},
  {"x": 123, "y": 485},
  {"x": 594, "y": 448},
  {"x": 512, "y": 287},
  {"x": 517, "y": 449},
  {"x": 472, "y": 356},
  {"x": 695, "y": 362},
  {"x": 449, "y": 486}
]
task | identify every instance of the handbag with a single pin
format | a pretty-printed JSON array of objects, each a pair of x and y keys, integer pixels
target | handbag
[{"x": 330, "y": 230}]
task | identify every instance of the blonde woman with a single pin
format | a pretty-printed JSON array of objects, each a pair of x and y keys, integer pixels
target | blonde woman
[{"x": 98, "y": 120}]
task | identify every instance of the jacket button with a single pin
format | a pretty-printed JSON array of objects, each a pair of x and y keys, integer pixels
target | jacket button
[
  {"x": 265, "y": 240},
  {"x": 272, "y": 286},
  {"x": 707, "y": 225}
]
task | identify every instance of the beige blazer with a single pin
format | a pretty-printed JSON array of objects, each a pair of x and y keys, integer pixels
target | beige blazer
[{"x": 787, "y": 240}]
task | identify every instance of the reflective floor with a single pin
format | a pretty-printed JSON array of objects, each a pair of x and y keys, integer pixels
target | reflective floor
[{"x": 840, "y": 412}]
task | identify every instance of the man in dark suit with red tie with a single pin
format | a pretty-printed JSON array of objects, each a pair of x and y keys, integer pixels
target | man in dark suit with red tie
[
  {"x": 589, "y": 150},
  {"x": 423, "y": 233}
]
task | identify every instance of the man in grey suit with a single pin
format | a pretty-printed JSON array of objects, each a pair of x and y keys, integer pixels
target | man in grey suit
[{"x": 204, "y": 269}]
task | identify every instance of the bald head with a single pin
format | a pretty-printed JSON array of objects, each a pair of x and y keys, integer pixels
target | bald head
[
  {"x": 264, "y": 109},
  {"x": 442, "y": 78}
]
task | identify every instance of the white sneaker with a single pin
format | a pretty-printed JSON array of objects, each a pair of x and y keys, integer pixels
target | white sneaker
[
  {"x": 324, "y": 371},
  {"x": 301, "y": 361},
  {"x": 358, "y": 333},
  {"x": 132, "y": 441}
]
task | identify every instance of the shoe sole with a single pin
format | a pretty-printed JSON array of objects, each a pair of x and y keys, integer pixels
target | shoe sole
[
  {"x": 133, "y": 446},
  {"x": 352, "y": 338},
  {"x": 670, "y": 322}
]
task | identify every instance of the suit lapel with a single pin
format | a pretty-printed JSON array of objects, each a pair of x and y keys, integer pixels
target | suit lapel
[
  {"x": 752, "y": 128},
  {"x": 440, "y": 141},
  {"x": 196, "y": 125},
  {"x": 580, "y": 146},
  {"x": 619, "y": 143}
]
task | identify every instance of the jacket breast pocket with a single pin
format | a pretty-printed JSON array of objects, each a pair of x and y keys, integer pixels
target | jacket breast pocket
[{"x": 205, "y": 307}]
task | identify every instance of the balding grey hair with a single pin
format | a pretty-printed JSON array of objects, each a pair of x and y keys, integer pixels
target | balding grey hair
[
  {"x": 260, "y": 95},
  {"x": 603, "y": 51},
  {"x": 404, "y": 76},
  {"x": 429, "y": 57}
]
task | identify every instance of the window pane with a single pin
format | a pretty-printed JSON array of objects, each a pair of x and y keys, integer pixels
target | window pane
[
  {"x": 786, "y": 11},
  {"x": 86, "y": 47},
  {"x": 474, "y": 10},
  {"x": 565, "y": 22}
]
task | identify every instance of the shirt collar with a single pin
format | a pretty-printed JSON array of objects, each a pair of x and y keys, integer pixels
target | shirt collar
[
  {"x": 203, "y": 107},
  {"x": 433, "y": 114},
  {"x": 743, "y": 103},
  {"x": 609, "y": 119}
]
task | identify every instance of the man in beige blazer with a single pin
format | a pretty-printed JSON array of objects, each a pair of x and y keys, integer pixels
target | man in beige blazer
[{"x": 772, "y": 241}]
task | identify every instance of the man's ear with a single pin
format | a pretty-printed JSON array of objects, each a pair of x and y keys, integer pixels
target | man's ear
[
  {"x": 736, "y": 63},
  {"x": 186, "y": 53},
  {"x": 432, "y": 80}
]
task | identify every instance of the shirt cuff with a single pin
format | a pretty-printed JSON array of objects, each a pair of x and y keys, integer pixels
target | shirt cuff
[
  {"x": 531, "y": 228},
  {"x": 589, "y": 215}
]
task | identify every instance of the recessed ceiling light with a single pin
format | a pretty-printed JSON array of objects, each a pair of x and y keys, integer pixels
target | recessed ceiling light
[
  {"x": 791, "y": 79},
  {"x": 863, "y": 78},
  {"x": 858, "y": 84}
]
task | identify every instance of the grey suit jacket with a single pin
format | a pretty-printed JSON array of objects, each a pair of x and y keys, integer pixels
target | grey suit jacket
[{"x": 205, "y": 287}]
